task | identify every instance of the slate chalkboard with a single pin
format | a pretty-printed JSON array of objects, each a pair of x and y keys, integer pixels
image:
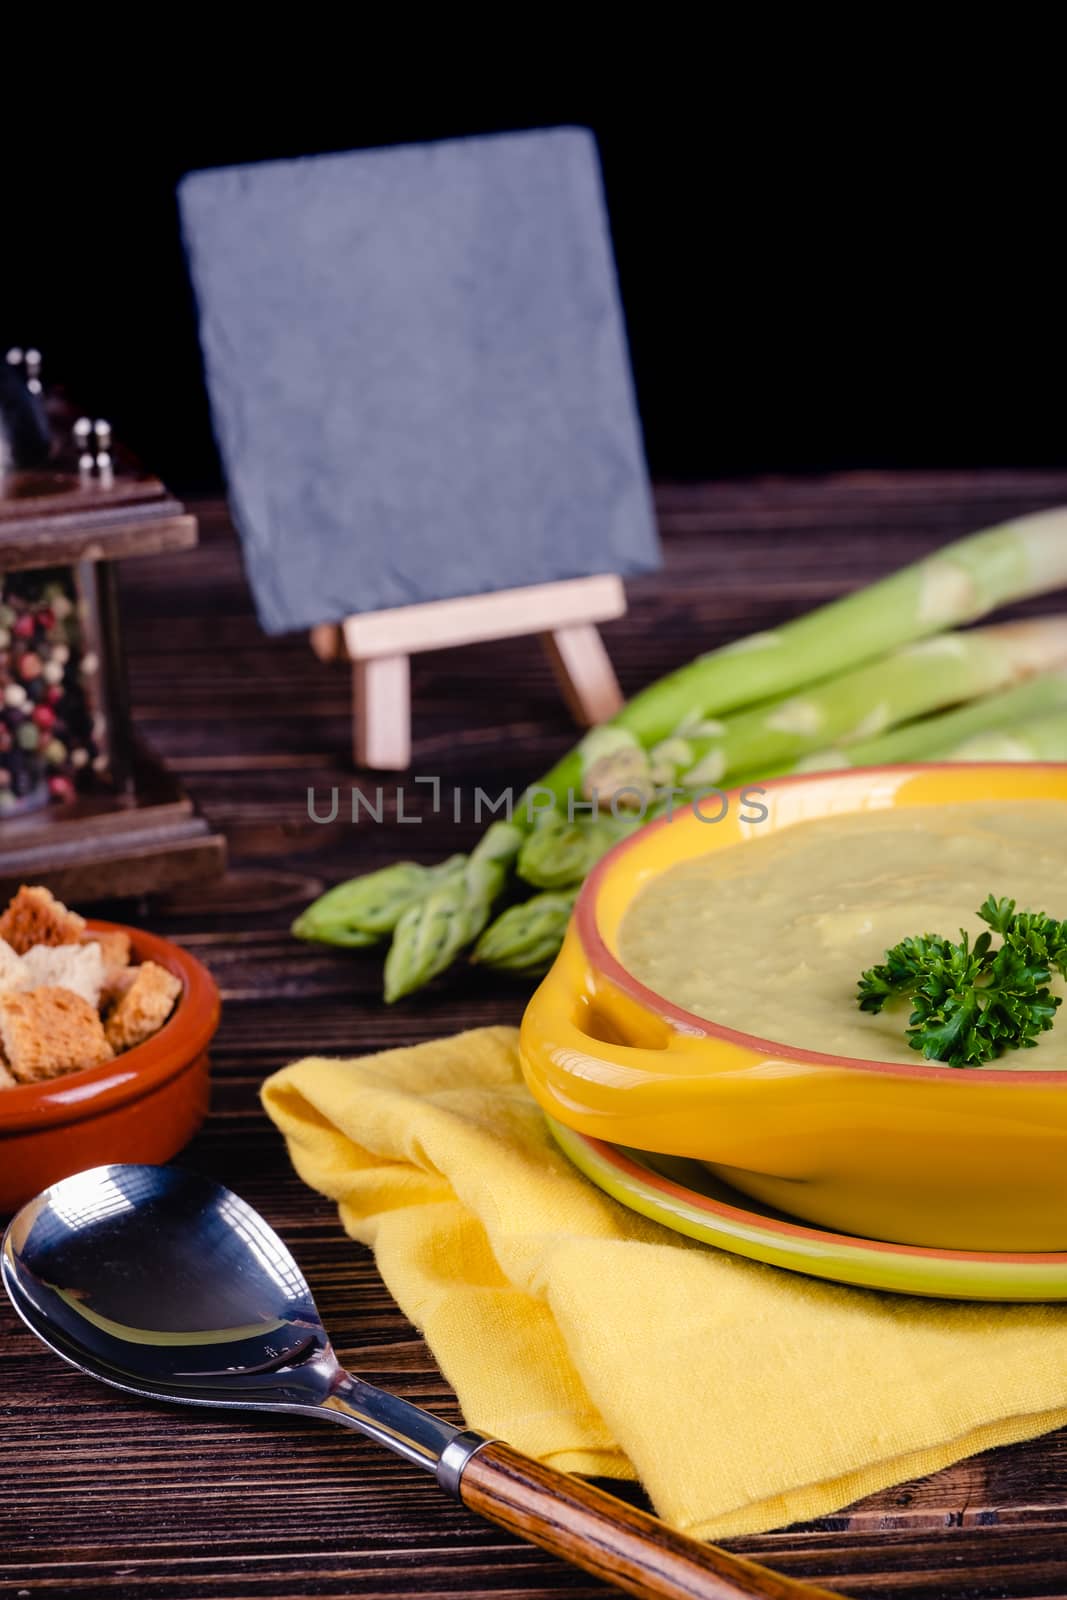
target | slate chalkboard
[{"x": 418, "y": 372}]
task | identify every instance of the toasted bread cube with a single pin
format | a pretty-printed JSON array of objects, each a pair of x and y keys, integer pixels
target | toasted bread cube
[
  {"x": 118, "y": 981},
  {"x": 11, "y": 973},
  {"x": 77, "y": 967},
  {"x": 144, "y": 1008},
  {"x": 118, "y": 975},
  {"x": 6, "y": 1080},
  {"x": 114, "y": 946},
  {"x": 35, "y": 916},
  {"x": 49, "y": 1032}
]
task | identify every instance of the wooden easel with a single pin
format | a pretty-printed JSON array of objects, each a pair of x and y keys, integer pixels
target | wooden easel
[{"x": 379, "y": 644}]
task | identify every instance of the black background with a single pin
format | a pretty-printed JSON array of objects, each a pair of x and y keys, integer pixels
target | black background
[{"x": 822, "y": 267}]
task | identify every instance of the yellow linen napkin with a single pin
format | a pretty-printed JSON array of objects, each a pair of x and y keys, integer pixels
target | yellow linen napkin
[{"x": 744, "y": 1397}]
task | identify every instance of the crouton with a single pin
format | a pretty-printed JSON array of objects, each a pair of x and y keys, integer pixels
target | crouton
[
  {"x": 11, "y": 973},
  {"x": 6, "y": 1080},
  {"x": 118, "y": 981},
  {"x": 115, "y": 949},
  {"x": 49, "y": 1032},
  {"x": 144, "y": 1008},
  {"x": 77, "y": 967},
  {"x": 114, "y": 946},
  {"x": 35, "y": 916}
]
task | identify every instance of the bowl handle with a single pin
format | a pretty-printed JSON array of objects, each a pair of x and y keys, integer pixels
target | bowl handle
[{"x": 576, "y": 1058}]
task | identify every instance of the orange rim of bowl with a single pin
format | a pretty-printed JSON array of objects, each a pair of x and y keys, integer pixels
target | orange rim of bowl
[
  {"x": 609, "y": 966},
  {"x": 85, "y": 1093},
  {"x": 621, "y": 1161}
]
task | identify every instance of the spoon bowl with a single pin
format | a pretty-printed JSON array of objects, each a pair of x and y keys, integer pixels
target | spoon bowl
[{"x": 163, "y": 1283}]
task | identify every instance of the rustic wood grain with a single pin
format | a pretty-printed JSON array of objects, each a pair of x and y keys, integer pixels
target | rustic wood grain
[
  {"x": 102, "y": 1495},
  {"x": 617, "y": 1543}
]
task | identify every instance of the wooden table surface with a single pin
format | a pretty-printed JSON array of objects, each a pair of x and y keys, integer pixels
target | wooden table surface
[{"x": 102, "y": 1495}]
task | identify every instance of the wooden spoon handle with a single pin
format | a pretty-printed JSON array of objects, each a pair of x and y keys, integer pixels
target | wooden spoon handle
[{"x": 608, "y": 1538}]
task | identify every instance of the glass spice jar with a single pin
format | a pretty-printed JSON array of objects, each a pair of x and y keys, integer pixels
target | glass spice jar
[{"x": 47, "y": 742}]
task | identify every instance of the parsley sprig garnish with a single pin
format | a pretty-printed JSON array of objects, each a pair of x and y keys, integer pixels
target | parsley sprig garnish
[{"x": 972, "y": 1002}]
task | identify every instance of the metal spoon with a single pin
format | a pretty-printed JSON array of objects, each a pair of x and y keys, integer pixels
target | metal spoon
[{"x": 162, "y": 1283}]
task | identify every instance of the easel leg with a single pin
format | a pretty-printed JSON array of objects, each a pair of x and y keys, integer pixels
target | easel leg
[
  {"x": 327, "y": 641},
  {"x": 584, "y": 672},
  {"x": 382, "y": 705}
]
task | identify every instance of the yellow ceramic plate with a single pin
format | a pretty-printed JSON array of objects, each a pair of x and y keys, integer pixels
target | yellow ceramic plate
[{"x": 684, "y": 1196}]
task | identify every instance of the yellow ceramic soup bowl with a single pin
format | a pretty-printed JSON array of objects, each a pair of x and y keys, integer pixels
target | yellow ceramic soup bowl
[{"x": 939, "y": 1156}]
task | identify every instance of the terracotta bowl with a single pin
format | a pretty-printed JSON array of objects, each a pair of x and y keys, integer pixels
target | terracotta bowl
[
  {"x": 142, "y": 1106},
  {"x": 918, "y": 1155}
]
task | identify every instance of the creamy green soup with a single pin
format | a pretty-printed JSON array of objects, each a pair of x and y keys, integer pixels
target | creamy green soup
[{"x": 771, "y": 936}]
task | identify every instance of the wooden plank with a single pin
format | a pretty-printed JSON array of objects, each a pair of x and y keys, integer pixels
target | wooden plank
[
  {"x": 37, "y": 542},
  {"x": 584, "y": 673},
  {"x": 123, "y": 869},
  {"x": 439, "y": 624},
  {"x": 381, "y": 695}
]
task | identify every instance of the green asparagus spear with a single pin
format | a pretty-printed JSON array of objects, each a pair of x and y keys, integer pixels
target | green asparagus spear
[
  {"x": 345, "y": 938},
  {"x": 361, "y": 911},
  {"x": 957, "y": 584},
  {"x": 937, "y": 672},
  {"x": 558, "y": 853},
  {"x": 1039, "y": 739},
  {"x": 929, "y": 738},
  {"x": 433, "y": 930},
  {"x": 526, "y": 937}
]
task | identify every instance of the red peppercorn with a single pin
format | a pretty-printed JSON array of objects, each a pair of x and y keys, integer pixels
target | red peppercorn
[
  {"x": 61, "y": 788},
  {"x": 46, "y": 619},
  {"x": 30, "y": 666},
  {"x": 54, "y": 694},
  {"x": 44, "y": 717},
  {"x": 23, "y": 626}
]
